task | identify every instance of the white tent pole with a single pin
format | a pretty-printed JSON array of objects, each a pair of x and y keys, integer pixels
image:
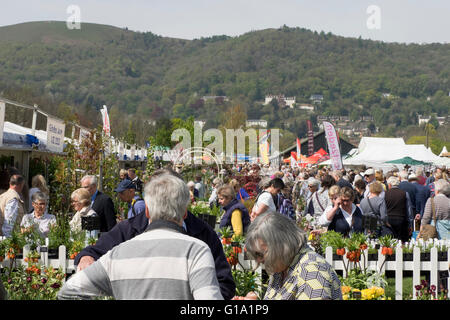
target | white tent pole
[{"x": 33, "y": 125}]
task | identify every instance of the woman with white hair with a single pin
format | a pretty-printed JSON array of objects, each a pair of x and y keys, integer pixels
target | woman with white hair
[
  {"x": 216, "y": 183},
  {"x": 296, "y": 271},
  {"x": 81, "y": 202},
  {"x": 39, "y": 218},
  {"x": 192, "y": 191},
  {"x": 437, "y": 210},
  {"x": 318, "y": 199}
]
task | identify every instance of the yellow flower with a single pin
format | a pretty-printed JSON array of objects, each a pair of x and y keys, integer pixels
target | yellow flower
[
  {"x": 346, "y": 289},
  {"x": 379, "y": 291},
  {"x": 345, "y": 297},
  {"x": 311, "y": 237}
]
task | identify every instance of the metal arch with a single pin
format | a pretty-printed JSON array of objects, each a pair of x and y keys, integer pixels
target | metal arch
[{"x": 203, "y": 150}]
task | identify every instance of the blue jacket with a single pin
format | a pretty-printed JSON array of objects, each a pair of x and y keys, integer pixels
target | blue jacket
[
  {"x": 422, "y": 195},
  {"x": 411, "y": 189},
  {"x": 128, "y": 229},
  {"x": 233, "y": 205},
  {"x": 138, "y": 204},
  {"x": 339, "y": 224}
]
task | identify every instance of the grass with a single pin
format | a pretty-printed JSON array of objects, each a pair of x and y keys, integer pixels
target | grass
[{"x": 407, "y": 287}]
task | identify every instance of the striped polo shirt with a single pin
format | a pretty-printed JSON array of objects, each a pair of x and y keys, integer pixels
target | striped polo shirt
[{"x": 161, "y": 263}]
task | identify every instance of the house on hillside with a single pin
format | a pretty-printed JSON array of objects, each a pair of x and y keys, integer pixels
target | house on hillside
[
  {"x": 256, "y": 123},
  {"x": 281, "y": 99},
  {"x": 425, "y": 119},
  {"x": 215, "y": 98},
  {"x": 307, "y": 107},
  {"x": 316, "y": 98}
]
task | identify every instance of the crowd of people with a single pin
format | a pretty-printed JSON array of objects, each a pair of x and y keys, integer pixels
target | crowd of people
[{"x": 162, "y": 251}]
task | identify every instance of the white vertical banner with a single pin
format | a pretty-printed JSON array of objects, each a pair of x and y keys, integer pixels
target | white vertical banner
[
  {"x": 55, "y": 134},
  {"x": 105, "y": 118},
  {"x": 2, "y": 120},
  {"x": 333, "y": 146}
]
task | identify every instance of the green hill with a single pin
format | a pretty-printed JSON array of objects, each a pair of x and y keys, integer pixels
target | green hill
[{"x": 142, "y": 76}]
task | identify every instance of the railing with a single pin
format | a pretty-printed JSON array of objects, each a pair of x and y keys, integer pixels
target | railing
[
  {"x": 397, "y": 264},
  {"x": 417, "y": 263},
  {"x": 66, "y": 265}
]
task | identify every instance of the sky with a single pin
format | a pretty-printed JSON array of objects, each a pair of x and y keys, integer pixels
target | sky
[{"x": 403, "y": 21}]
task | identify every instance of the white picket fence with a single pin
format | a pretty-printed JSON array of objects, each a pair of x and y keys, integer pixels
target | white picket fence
[
  {"x": 398, "y": 265},
  {"x": 66, "y": 265}
]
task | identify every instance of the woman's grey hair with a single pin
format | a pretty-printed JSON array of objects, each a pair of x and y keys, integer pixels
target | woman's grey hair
[
  {"x": 313, "y": 182},
  {"x": 81, "y": 195},
  {"x": 166, "y": 198},
  {"x": 39, "y": 196},
  {"x": 282, "y": 237},
  {"x": 441, "y": 185},
  {"x": 264, "y": 182},
  {"x": 217, "y": 182},
  {"x": 393, "y": 181}
]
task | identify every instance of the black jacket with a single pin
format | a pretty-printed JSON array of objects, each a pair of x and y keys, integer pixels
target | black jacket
[
  {"x": 128, "y": 229},
  {"x": 104, "y": 207}
]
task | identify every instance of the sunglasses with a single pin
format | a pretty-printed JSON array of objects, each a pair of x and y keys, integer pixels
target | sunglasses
[
  {"x": 259, "y": 255},
  {"x": 345, "y": 200}
]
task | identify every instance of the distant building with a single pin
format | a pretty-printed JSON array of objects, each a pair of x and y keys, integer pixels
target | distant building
[
  {"x": 307, "y": 107},
  {"x": 215, "y": 98},
  {"x": 256, "y": 123},
  {"x": 281, "y": 99},
  {"x": 200, "y": 123},
  {"x": 367, "y": 118},
  {"x": 316, "y": 98},
  {"x": 425, "y": 119}
]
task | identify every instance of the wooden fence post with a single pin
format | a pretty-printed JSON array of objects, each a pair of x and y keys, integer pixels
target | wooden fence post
[
  {"x": 398, "y": 272},
  {"x": 62, "y": 258},
  {"x": 416, "y": 270},
  {"x": 434, "y": 274}
]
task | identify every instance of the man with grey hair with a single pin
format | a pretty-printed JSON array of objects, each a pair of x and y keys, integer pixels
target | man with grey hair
[
  {"x": 161, "y": 263},
  {"x": 399, "y": 211},
  {"x": 101, "y": 203},
  {"x": 12, "y": 206},
  {"x": 296, "y": 271},
  {"x": 339, "y": 178},
  {"x": 407, "y": 186}
]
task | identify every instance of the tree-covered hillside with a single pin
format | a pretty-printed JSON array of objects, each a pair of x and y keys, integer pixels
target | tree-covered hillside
[{"x": 142, "y": 76}]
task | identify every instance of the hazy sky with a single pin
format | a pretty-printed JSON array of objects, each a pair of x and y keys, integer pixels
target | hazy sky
[{"x": 419, "y": 21}]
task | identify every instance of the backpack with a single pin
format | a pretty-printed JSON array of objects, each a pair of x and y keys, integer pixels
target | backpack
[{"x": 285, "y": 207}]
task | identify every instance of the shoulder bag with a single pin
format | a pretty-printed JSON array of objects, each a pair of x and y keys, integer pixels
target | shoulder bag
[{"x": 429, "y": 230}]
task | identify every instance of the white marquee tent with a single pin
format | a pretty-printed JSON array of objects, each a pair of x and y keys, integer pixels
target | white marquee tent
[{"x": 375, "y": 152}]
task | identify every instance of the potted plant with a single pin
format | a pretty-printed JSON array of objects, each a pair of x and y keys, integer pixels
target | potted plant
[
  {"x": 443, "y": 253},
  {"x": 425, "y": 252},
  {"x": 407, "y": 253}
]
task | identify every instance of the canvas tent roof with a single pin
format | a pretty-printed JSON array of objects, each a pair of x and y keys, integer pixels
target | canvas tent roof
[{"x": 375, "y": 152}]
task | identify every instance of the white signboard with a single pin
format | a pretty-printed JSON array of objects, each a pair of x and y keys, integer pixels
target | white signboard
[
  {"x": 55, "y": 135},
  {"x": 2, "y": 120},
  {"x": 132, "y": 151},
  {"x": 83, "y": 135}
]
